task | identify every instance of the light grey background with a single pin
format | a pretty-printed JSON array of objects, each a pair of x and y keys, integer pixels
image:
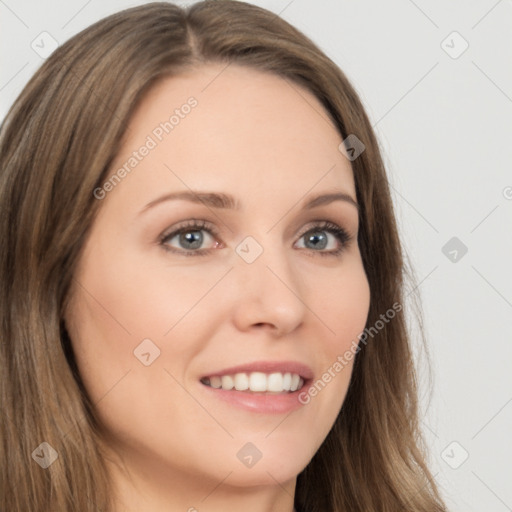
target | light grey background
[{"x": 444, "y": 121}]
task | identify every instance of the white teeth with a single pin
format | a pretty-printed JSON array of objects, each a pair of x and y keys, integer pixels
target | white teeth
[
  {"x": 257, "y": 382},
  {"x": 227, "y": 382},
  {"x": 287, "y": 381},
  {"x": 295, "y": 382},
  {"x": 215, "y": 382},
  {"x": 241, "y": 381},
  {"x": 275, "y": 382}
]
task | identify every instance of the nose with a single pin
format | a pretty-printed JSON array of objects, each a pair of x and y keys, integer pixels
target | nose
[{"x": 268, "y": 294}]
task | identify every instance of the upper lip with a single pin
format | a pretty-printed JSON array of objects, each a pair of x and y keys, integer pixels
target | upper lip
[{"x": 301, "y": 369}]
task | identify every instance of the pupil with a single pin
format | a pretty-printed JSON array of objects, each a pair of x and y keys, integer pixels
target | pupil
[
  {"x": 189, "y": 238},
  {"x": 322, "y": 243}
]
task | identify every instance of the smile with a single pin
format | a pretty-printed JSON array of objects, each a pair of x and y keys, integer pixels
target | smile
[{"x": 257, "y": 382}]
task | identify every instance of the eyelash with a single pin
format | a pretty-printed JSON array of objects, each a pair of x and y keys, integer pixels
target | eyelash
[{"x": 193, "y": 225}]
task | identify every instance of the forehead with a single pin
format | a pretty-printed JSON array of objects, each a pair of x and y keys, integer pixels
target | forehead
[{"x": 223, "y": 127}]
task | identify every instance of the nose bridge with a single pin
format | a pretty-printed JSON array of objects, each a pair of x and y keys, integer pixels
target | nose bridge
[
  {"x": 268, "y": 289},
  {"x": 263, "y": 256}
]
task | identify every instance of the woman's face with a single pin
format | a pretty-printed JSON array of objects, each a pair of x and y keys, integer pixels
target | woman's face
[{"x": 257, "y": 285}]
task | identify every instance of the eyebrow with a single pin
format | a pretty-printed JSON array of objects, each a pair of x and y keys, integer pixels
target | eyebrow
[{"x": 226, "y": 201}]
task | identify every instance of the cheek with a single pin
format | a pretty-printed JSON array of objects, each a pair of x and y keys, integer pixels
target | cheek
[
  {"x": 341, "y": 305},
  {"x": 345, "y": 307},
  {"x": 145, "y": 295},
  {"x": 343, "y": 311},
  {"x": 121, "y": 300}
]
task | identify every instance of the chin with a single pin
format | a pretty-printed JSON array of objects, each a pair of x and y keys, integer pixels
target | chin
[
  {"x": 264, "y": 475},
  {"x": 267, "y": 461}
]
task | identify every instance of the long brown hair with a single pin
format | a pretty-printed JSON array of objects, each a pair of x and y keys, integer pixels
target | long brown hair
[{"x": 56, "y": 146}]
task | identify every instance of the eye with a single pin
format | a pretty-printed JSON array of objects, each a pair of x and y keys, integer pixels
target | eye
[
  {"x": 316, "y": 238},
  {"x": 190, "y": 238}
]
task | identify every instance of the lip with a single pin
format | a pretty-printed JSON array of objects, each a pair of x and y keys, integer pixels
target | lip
[
  {"x": 301, "y": 369},
  {"x": 257, "y": 402}
]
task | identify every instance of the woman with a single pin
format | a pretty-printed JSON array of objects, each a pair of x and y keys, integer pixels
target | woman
[{"x": 272, "y": 373}]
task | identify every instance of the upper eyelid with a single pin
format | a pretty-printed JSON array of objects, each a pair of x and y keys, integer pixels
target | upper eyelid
[{"x": 192, "y": 225}]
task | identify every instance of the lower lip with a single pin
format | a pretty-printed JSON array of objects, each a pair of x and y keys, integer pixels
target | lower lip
[{"x": 258, "y": 402}]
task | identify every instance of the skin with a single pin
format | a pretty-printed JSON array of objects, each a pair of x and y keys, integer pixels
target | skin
[{"x": 170, "y": 445}]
